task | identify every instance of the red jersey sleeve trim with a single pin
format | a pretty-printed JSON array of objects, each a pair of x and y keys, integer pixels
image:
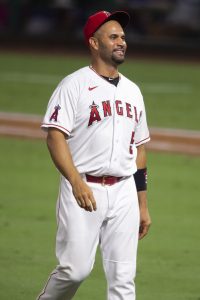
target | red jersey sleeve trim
[
  {"x": 143, "y": 141},
  {"x": 48, "y": 125}
]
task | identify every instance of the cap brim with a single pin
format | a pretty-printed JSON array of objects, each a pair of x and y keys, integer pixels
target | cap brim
[{"x": 120, "y": 16}]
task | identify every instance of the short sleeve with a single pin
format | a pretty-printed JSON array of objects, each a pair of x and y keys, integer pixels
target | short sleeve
[
  {"x": 61, "y": 109},
  {"x": 142, "y": 132}
]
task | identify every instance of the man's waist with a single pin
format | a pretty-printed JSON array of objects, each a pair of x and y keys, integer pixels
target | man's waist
[{"x": 104, "y": 180}]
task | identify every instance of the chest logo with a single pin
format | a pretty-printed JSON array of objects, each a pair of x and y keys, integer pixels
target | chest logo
[
  {"x": 94, "y": 114},
  {"x": 105, "y": 109},
  {"x": 92, "y": 88}
]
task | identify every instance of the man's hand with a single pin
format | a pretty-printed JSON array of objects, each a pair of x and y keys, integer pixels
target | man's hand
[
  {"x": 145, "y": 219},
  {"x": 83, "y": 194},
  {"x": 145, "y": 222},
  {"x": 61, "y": 156}
]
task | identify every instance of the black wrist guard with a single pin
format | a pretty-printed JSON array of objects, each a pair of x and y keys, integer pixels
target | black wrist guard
[{"x": 141, "y": 179}]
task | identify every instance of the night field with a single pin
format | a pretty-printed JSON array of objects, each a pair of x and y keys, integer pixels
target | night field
[{"x": 168, "y": 258}]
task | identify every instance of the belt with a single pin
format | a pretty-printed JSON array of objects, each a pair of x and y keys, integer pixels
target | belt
[{"x": 104, "y": 180}]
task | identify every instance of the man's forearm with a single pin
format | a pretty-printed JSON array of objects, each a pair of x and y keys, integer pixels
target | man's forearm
[
  {"x": 62, "y": 159},
  {"x": 61, "y": 155},
  {"x": 145, "y": 219},
  {"x": 142, "y": 199}
]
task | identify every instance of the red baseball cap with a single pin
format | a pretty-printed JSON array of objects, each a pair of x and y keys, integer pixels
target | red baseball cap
[{"x": 95, "y": 21}]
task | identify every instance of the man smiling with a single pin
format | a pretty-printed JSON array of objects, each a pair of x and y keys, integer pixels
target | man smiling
[{"x": 97, "y": 129}]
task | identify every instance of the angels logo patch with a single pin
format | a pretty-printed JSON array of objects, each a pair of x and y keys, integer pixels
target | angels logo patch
[{"x": 54, "y": 115}]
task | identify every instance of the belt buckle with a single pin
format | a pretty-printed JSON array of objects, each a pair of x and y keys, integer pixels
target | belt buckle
[{"x": 103, "y": 180}]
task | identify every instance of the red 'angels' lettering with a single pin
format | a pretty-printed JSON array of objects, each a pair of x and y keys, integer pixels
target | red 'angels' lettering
[
  {"x": 136, "y": 117},
  {"x": 128, "y": 110},
  {"x": 94, "y": 114},
  {"x": 54, "y": 116},
  {"x": 106, "y": 108},
  {"x": 119, "y": 109},
  {"x": 122, "y": 109}
]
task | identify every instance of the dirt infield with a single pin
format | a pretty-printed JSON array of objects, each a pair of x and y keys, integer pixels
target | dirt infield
[{"x": 163, "y": 140}]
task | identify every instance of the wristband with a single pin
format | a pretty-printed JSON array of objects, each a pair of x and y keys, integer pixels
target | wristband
[{"x": 141, "y": 179}]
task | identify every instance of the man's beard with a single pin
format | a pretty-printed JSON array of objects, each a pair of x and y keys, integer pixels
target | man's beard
[
  {"x": 113, "y": 58},
  {"x": 117, "y": 60}
]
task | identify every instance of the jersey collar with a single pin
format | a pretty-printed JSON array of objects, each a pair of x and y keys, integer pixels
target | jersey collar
[{"x": 102, "y": 76}]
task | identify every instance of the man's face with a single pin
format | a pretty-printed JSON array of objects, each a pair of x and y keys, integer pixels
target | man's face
[{"x": 111, "y": 43}]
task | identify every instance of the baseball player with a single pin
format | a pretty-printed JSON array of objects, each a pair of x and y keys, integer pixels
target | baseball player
[{"x": 97, "y": 129}]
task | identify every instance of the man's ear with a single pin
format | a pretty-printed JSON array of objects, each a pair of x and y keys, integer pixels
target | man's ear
[{"x": 93, "y": 42}]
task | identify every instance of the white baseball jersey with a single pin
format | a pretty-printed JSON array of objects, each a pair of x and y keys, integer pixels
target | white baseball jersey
[{"x": 104, "y": 123}]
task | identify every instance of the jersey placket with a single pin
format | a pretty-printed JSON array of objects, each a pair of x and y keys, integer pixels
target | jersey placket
[{"x": 115, "y": 153}]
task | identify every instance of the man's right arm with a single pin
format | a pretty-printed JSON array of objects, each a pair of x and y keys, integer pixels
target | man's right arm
[{"x": 61, "y": 156}]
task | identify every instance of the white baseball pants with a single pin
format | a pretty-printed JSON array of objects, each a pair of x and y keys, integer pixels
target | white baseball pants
[{"x": 114, "y": 226}]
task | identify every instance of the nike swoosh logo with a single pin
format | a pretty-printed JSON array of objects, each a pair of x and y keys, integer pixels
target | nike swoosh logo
[{"x": 92, "y": 88}]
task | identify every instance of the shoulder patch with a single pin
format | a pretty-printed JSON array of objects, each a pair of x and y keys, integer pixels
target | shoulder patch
[{"x": 54, "y": 115}]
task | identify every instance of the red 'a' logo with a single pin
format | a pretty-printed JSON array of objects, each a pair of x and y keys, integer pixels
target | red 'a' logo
[
  {"x": 54, "y": 115},
  {"x": 94, "y": 114}
]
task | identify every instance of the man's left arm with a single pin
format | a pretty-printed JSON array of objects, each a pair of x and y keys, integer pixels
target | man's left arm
[{"x": 145, "y": 219}]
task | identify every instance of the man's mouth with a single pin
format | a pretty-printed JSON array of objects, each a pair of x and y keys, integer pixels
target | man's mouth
[{"x": 119, "y": 51}]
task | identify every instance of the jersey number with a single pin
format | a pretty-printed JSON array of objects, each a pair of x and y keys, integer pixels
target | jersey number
[{"x": 131, "y": 143}]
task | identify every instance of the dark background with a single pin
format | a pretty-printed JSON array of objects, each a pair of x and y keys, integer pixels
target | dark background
[{"x": 165, "y": 26}]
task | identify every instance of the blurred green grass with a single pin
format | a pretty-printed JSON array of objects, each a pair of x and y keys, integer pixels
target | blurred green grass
[
  {"x": 168, "y": 257},
  {"x": 171, "y": 90},
  {"x": 168, "y": 265}
]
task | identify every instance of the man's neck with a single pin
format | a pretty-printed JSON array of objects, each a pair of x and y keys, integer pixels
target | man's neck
[{"x": 105, "y": 70}]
